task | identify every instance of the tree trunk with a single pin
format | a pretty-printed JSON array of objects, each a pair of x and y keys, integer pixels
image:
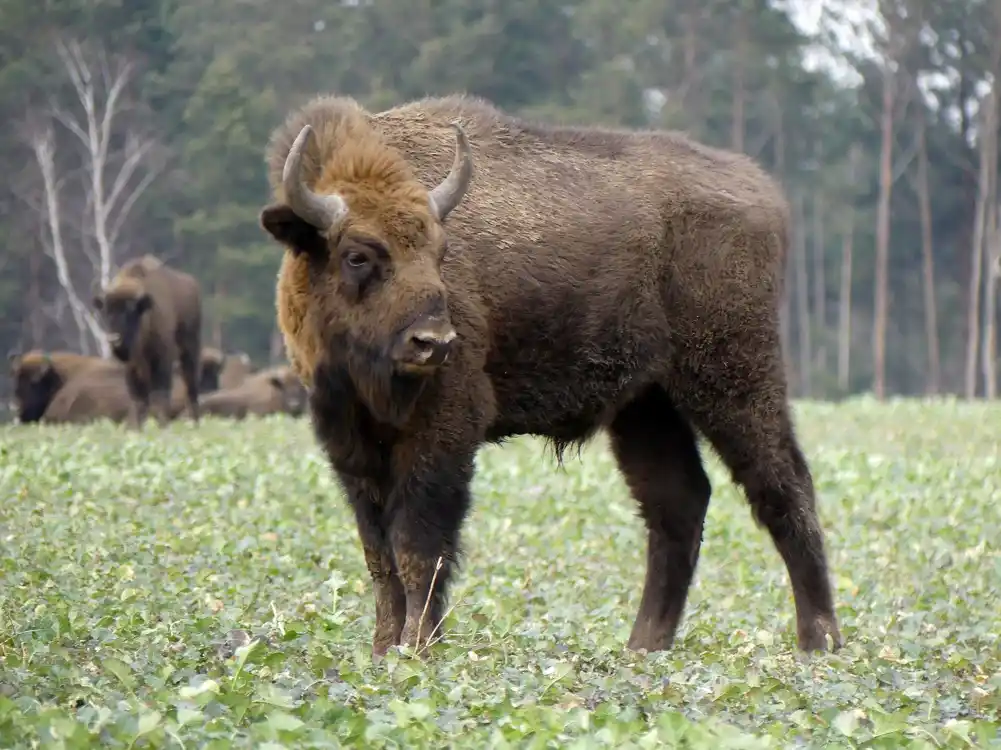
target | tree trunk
[
  {"x": 803, "y": 302},
  {"x": 989, "y": 121},
  {"x": 845, "y": 296},
  {"x": 881, "y": 302},
  {"x": 33, "y": 304},
  {"x": 933, "y": 383},
  {"x": 819, "y": 281},
  {"x": 737, "y": 106},
  {"x": 989, "y": 342},
  {"x": 785, "y": 314}
]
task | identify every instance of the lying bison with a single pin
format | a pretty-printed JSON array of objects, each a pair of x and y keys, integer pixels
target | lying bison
[
  {"x": 585, "y": 279},
  {"x": 235, "y": 370},
  {"x": 272, "y": 391},
  {"x": 211, "y": 363},
  {"x": 153, "y": 314},
  {"x": 103, "y": 394},
  {"x": 38, "y": 376}
]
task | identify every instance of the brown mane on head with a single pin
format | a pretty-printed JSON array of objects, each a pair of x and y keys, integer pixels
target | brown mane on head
[
  {"x": 385, "y": 200},
  {"x": 349, "y": 157}
]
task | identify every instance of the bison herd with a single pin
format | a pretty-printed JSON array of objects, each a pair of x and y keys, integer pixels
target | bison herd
[
  {"x": 453, "y": 276},
  {"x": 152, "y": 316}
]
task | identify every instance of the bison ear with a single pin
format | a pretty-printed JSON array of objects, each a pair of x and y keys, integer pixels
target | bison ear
[
  {"x": 299, "y": 236},
  {"x": 277, "y": 382}
]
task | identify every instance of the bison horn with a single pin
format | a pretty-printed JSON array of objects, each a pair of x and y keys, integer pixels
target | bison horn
[
  {"x": 450, "y": 192},
  {"x": 321, "y": 211}
]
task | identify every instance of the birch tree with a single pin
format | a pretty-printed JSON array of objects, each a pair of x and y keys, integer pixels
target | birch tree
[{"x": 116, "y": 179}]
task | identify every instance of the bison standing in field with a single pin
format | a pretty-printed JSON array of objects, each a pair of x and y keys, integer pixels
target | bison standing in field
[
  {"x": 38, "y": 376},
  {"x": 270, "y": 391},
  {"x": 585, "y": 279},
  {"x": 154, "y": 315}
]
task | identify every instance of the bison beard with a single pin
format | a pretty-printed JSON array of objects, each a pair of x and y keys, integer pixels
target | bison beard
[{"x": 406, "y": 519}]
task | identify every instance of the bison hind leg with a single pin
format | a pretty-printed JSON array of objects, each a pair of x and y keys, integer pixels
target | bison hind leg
[
  {"x": 658, "y": 454},
  {"x": 754, "y": 436}
]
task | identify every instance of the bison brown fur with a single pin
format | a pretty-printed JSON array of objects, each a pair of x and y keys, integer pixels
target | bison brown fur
[
  {"x": 38, "y": 376},
  {"x": 153, "y": 315},
  {"x": 269, "y": 391},
  {"x": 235, "y": 370},
  {"x": 94, "y": 395},
  {"x": 584, "y": 279},
  {"x": 212, "y": 361}
]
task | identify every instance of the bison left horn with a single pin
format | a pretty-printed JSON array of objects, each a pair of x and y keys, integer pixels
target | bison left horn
[
  {"x": 451, "y": 190},
  {"x": 324, "y": 212}
]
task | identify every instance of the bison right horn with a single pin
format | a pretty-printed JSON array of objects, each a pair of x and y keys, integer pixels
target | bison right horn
[
  {"x": 321, "y": 211},
  {"x": 449, "y": 193}
]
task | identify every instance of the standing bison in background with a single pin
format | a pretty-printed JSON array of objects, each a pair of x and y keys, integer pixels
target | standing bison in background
[
  {"x": 38, "y": 376},
  {"x": 585, "y": 279},
  {"x": 153, "y": 314}
]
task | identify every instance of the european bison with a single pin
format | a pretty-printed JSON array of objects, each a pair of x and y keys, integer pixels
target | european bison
[
  {"x": 235, "y": 370},
  {"x": 588, "y": 279},
  {"x": 211, "y": 361},
  {"x": 221, "y": 370},
  {"x": 270, "y": 391},
  {"x": 38, "y": 376},
  {"x": 102, "y": 393},
  {"x": 154, "y": 315}
]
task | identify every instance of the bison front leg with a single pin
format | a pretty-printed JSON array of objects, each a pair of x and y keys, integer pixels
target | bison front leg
[
  {"x": 390, "y": 600},
  {"x": 424, "y": 529}
]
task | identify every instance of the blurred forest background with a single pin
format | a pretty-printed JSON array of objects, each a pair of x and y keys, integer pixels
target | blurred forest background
[{"x": 135, "y": 126}]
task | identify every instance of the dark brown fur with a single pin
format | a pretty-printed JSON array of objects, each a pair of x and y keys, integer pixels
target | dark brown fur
[
  {"x": 272, "y": 391},
  {"x": 596, "y": 279},
  {"x": 38, "y": 376},
  {"x": 156, "y": 313}
]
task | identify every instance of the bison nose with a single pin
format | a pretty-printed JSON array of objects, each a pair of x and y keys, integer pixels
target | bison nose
[{"x": 427, "y": 346}]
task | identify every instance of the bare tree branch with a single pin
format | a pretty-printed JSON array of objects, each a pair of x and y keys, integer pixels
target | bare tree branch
[{"x": 42, "y": 144}]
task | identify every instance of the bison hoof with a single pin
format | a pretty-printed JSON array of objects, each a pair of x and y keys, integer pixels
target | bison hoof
[{"x": 813, "y": 636}]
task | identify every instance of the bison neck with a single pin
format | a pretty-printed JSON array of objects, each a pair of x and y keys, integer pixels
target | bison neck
[{"x": 358, "y": 423}]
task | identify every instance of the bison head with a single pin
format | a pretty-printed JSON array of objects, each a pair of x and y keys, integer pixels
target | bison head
[
  {"x": 212, "y": 363},
  {"x": 122, "y": 307},
  {"x": 360, "y": 289},
  {"x": 35, "y": 383},
  {"x": 294, "y": 396}
]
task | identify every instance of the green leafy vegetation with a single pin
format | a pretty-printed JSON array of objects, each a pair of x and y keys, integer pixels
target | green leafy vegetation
[{"x": 204, "y": 587}]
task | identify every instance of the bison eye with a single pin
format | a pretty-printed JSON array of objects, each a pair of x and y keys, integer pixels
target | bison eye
[{"x": 356, "y": 260}]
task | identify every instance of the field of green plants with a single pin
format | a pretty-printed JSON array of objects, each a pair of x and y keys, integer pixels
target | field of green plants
[{"x": 204, "y": 587}]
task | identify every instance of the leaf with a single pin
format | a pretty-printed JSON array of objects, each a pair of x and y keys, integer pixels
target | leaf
[
  {"x": 189, "y": 716},
  {"x": 148, "y": 721},
  {"x": 847, "y": 722},
  {"x": 283, "y": 721},
  {"x": 120, "y": 670}
]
